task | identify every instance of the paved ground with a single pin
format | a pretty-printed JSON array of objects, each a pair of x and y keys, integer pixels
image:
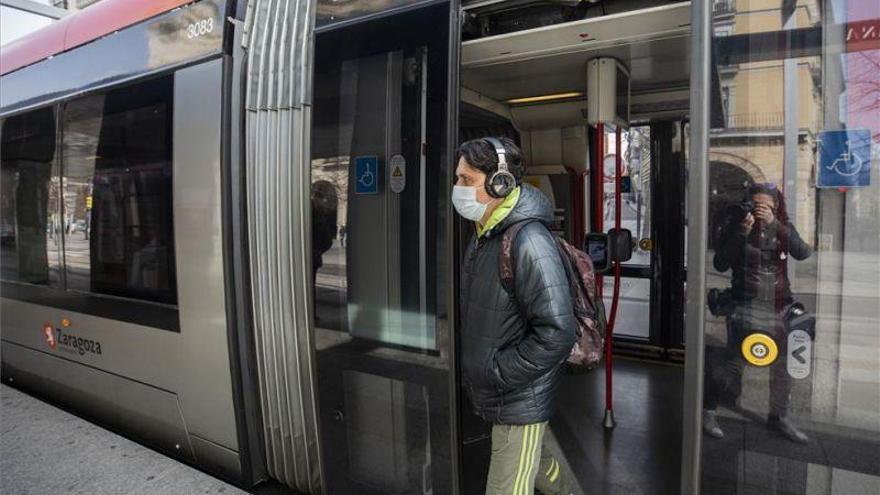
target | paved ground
[{"x": 46, "y": 451}]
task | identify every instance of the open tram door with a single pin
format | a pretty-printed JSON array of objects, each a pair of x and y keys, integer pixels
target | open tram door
[
  {"x": 532, "y": 73},
  {"x": 387, "y": 115}
]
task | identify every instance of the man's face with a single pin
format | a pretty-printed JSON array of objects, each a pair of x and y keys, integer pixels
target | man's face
[{"x": 468, "y": 176}]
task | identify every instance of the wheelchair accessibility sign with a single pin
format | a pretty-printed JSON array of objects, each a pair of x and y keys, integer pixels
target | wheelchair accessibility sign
[
  {"x": 844, "y": 158},
  {"x": 366, "y": 173}
]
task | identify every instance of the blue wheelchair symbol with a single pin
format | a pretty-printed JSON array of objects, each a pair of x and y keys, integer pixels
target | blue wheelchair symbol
[
  {"x": 844, "y": 158},
  {"x": 366, "y": 172}
]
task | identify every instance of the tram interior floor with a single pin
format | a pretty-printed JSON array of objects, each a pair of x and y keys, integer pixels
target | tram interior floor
[{"x": 642, "y": 454}]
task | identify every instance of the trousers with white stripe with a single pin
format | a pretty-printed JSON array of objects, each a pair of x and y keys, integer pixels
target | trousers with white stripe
[{"x": 522, "y": 462}]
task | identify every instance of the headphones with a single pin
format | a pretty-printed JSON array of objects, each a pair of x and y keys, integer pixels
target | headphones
[{"x": 502, "y": 182}]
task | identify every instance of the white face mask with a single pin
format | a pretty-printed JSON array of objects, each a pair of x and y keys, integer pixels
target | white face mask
[{"x": 465, "y": 201}]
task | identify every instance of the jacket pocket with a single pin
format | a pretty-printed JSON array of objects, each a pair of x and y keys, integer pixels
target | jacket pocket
[
  {"x": 494, "y": 382},
  {"x": 489, "y": 374}
]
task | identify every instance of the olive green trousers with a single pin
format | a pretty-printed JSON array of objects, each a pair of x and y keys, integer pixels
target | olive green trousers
[{"x": 522, "y": 462}]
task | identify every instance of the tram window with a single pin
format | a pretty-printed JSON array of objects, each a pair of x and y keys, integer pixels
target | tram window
[
  {"x": 118, "y": 193},
  {"x": 29, "y": 203}
]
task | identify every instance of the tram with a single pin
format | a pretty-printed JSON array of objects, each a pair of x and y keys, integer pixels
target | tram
[{"x": 226, "y": 230}]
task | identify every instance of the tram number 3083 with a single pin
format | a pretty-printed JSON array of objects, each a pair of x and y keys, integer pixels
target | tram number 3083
[{"x": 199, "y": 28}]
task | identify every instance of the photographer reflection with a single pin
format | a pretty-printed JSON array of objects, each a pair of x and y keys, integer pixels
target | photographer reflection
[
  {"x": 324, "y": 210},
  {"x": 755, "y": 242}
]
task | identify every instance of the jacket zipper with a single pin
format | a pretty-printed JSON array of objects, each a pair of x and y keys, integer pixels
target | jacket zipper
[
  {"x": 470, "y": 269},
  {"x": 480, "y": 243}
]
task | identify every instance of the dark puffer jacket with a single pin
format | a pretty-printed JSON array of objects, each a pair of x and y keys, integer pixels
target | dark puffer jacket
[
  {"x": 512, "y": 349},
  {"x": 759, "y": 261}
]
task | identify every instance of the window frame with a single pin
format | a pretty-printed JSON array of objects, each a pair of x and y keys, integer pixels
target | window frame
[
  {"x": 62, "y": 172},
  {"x": 158, "y": 315},
  {"x": 55, "y": 172}
]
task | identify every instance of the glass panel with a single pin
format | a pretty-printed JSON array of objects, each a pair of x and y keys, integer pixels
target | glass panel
[
  {"x": 633, "y": 314},
  {"x": 118, "y": 193},
  {"x": 380, "y": 183},
  {"x": 635, "y": 188},
  {"x": 634, "y": 309},
  {"x": 333, "y": 11},
  {"x": 30, "y": 214},
  {"x": 792, "y": 357},
  {"x": 366, "y": 205}
]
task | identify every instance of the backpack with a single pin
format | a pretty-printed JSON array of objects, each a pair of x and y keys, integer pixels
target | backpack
[{"x": 589, "y": 310}]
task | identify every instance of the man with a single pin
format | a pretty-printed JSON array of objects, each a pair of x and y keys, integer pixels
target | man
[
  {"x": 756, "y": 245},
  {"x": 513, "y": 343}
]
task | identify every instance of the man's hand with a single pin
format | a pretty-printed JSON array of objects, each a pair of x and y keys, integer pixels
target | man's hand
[{"x": 747, "y": 224}]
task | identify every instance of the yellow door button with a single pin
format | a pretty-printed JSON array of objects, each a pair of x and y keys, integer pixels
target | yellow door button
[
  {"x": 646, "y": 244},
  {"x": 759, "y": 349}
]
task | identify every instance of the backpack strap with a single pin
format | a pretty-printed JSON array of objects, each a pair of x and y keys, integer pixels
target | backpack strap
[{"x": 506, "y": 255}]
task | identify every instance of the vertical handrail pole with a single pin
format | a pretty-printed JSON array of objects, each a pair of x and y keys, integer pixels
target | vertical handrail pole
[
  {"x": 609, "y": 421},
  {"x": 599, "y": 190}
]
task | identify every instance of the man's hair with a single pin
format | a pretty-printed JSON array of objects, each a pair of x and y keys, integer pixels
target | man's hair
[{"x": 480, "y": 154}]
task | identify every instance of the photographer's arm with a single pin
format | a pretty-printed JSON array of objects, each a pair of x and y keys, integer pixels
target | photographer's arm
[
  {"x": 729, "y": 249},
  {"x": 798, "y": 249}
]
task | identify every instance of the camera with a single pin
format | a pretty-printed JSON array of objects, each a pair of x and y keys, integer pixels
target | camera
[
  {"x": 736, "y": 213},
  {"x": 721, "y": 302}
]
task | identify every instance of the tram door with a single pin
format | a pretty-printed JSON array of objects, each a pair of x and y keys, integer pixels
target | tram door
[
  {"x": 380, "y": 178},
  {"x": 651, "y": 293}
]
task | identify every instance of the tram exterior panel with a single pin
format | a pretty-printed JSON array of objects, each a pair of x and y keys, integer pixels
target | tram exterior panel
[{"x": 157, "y": 371}]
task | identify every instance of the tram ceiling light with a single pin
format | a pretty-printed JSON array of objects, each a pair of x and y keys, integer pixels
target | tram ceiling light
[{"x": 536, "y": 99}]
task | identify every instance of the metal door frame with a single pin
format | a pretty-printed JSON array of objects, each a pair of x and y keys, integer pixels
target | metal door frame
[
  {"x": 668, "y": 253},
  {"x": 697, "y": 195},
  {"x": 667, "y": 175}
]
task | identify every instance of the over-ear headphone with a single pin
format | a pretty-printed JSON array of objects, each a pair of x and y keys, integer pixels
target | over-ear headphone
[{"x": 502, "y": 182}]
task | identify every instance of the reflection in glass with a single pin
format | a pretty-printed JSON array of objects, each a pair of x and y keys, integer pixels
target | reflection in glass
[
  {"x": 756, "y": 243},
  {"x": 801, "y": 385},
  {"x": 332, "y": 11},
  {"x": 374, "y": 286},
  {"x": 328, "y": 249},
  {"x": 30, "y": 235},
  {"x": 119, "y": 236},
  {"x": 379, "y": 190}
]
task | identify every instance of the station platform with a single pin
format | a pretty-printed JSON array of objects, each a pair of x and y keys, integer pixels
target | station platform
[{"x": 44, "y": 450}]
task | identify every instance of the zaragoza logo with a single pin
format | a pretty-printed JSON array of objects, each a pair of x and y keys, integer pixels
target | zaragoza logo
[{"x": 69, "y": 343}]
